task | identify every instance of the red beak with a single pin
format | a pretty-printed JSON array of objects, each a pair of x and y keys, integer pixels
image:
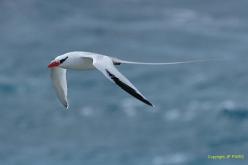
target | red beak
[{"x": 54, "y": 64}]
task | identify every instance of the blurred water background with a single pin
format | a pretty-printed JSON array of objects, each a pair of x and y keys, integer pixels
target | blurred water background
[{"x": 201, "y": 109}]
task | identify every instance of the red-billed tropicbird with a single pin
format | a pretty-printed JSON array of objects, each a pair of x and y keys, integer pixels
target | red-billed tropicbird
[{"x": 105, "y": 64}]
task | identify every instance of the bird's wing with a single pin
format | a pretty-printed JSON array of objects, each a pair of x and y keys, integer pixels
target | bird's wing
[
  {"x": 58, "y": 76},
  {"x": 106, "y": 66}
]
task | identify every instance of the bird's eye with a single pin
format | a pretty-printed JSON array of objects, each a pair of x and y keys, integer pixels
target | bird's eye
[{"x": 63, "y": 60}]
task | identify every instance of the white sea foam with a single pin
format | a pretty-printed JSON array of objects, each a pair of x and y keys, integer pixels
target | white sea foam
[
  {"x": 228, "y": 104},
  {"x": 187, "y": 113},
  {"x": 172, "y": 115},
  {"x": 198, "y": 20},
  {"x": 87, "y": 111},
  {"x": 177, "y": 158},
  {"x": 129, "y": 106}
]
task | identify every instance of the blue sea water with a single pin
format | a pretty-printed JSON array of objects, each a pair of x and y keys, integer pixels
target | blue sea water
[{"x": 201, "y": 109}]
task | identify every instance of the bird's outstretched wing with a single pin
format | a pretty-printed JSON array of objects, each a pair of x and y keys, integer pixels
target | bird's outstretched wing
[
  {"x": 106, "y": 66},
  {"x": 58, "y": 76}
]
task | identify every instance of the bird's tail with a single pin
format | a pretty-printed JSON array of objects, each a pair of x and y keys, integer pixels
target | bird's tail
[{"x": 117, "y": 61}]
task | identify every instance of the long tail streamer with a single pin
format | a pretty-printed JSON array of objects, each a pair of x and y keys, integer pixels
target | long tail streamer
[{"x": 164, "y": 63}]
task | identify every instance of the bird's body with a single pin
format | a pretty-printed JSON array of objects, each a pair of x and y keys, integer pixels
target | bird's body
[
  {"x": 85, "y": 62},
  {"x": 89, "y": 61}
]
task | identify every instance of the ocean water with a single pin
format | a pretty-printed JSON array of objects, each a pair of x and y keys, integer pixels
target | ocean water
[{"x": 201, "y": 109}]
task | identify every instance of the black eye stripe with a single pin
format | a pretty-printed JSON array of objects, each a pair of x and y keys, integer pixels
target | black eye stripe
[{"x": 63, "y": 60}]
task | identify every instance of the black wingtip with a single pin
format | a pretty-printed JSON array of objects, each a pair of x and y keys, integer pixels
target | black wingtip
[
  {"x": 148, "y": 103},
  {"x": 128, "y": 89}
]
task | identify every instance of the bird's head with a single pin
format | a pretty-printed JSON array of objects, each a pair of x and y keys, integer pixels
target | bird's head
[{"x": 58, "y": 61}]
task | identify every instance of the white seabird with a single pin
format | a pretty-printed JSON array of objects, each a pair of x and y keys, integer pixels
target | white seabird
[{"x": 86, "y": 61}]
